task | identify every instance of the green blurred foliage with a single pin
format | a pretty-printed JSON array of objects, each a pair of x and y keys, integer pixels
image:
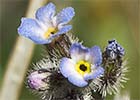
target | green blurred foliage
[{"x": 95, "y": 23}]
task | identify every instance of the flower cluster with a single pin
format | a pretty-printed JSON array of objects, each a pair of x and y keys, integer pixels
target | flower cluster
[
  {"x": 114, "y": 49},
  {"x": 69, "y": 71},
  {"x": 115, "y": 69}
]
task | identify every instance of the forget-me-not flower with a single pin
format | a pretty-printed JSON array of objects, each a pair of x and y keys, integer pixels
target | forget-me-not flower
[
  {"x": 83, "y": 65},
  {"x": 46, "y": 26}
]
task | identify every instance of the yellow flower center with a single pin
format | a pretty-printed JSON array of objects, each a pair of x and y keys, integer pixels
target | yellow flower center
[
  {"x": 83, "y": 67},
  {"x": 50, "y": 31}
]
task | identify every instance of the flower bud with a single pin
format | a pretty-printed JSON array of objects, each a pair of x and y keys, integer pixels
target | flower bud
[
  {"x": 38, "y": 79},
  {"x": 114, "y": 49}
]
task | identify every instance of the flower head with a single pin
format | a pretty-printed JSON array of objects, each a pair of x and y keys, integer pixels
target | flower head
[
  {"x": 112, "y": 80},
  {"x": 46, "y": 26},
  {"x": 83, "y": 65},
  {"x": 114, "y": 49}
]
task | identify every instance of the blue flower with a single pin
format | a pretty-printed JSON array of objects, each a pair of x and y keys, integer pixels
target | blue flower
[
  {"x": 83, "y": 65},
  {"x": 114, "y": 49},
  {"x": 46, "y": 26}
]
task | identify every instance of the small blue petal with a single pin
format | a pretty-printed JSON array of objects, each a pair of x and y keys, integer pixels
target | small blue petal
[
  {"x": 65, "y": 29},
  {"x": 39, "y": 40},
  {"x": 28, "y": 26},
  {"x": 32, "y": 30},
  {"x": 96, "y": 54},
  {"x": 78, "y": 52},
  {"x": 96, "y": 73},
  {"x": 46, "y": 13},
  {"x": 77, "y": 80},
  {"x": 67, "y": 67},
  {"x": 77, "y": 48},
  {"x": 65, "y": 16}
]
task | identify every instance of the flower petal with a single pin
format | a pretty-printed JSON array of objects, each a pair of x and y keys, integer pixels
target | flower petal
[
  {"x": 78, "y": 52},
  {"x": 94, "y": 74},
  {"x": 46, "y": 13},
  {"x": 31, "y": 29},
  {"x": 78, "y": 80},
  {"x": 65, "y": 16},
  {"x": 96, "y": 55},
  {"x": 65, "y": 29},
  {"x": 67, "y": 67}
]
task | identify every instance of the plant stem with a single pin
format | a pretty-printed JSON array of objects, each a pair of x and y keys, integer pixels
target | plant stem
[{"x": 19, "y": 60}]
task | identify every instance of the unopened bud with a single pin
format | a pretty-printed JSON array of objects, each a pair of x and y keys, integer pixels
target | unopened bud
[
  {"x": 37, "y": 79},
  {"x": 114, "y": 49}
]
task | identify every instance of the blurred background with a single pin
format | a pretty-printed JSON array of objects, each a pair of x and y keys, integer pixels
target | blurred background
[{"x": 95, "y": 22}]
